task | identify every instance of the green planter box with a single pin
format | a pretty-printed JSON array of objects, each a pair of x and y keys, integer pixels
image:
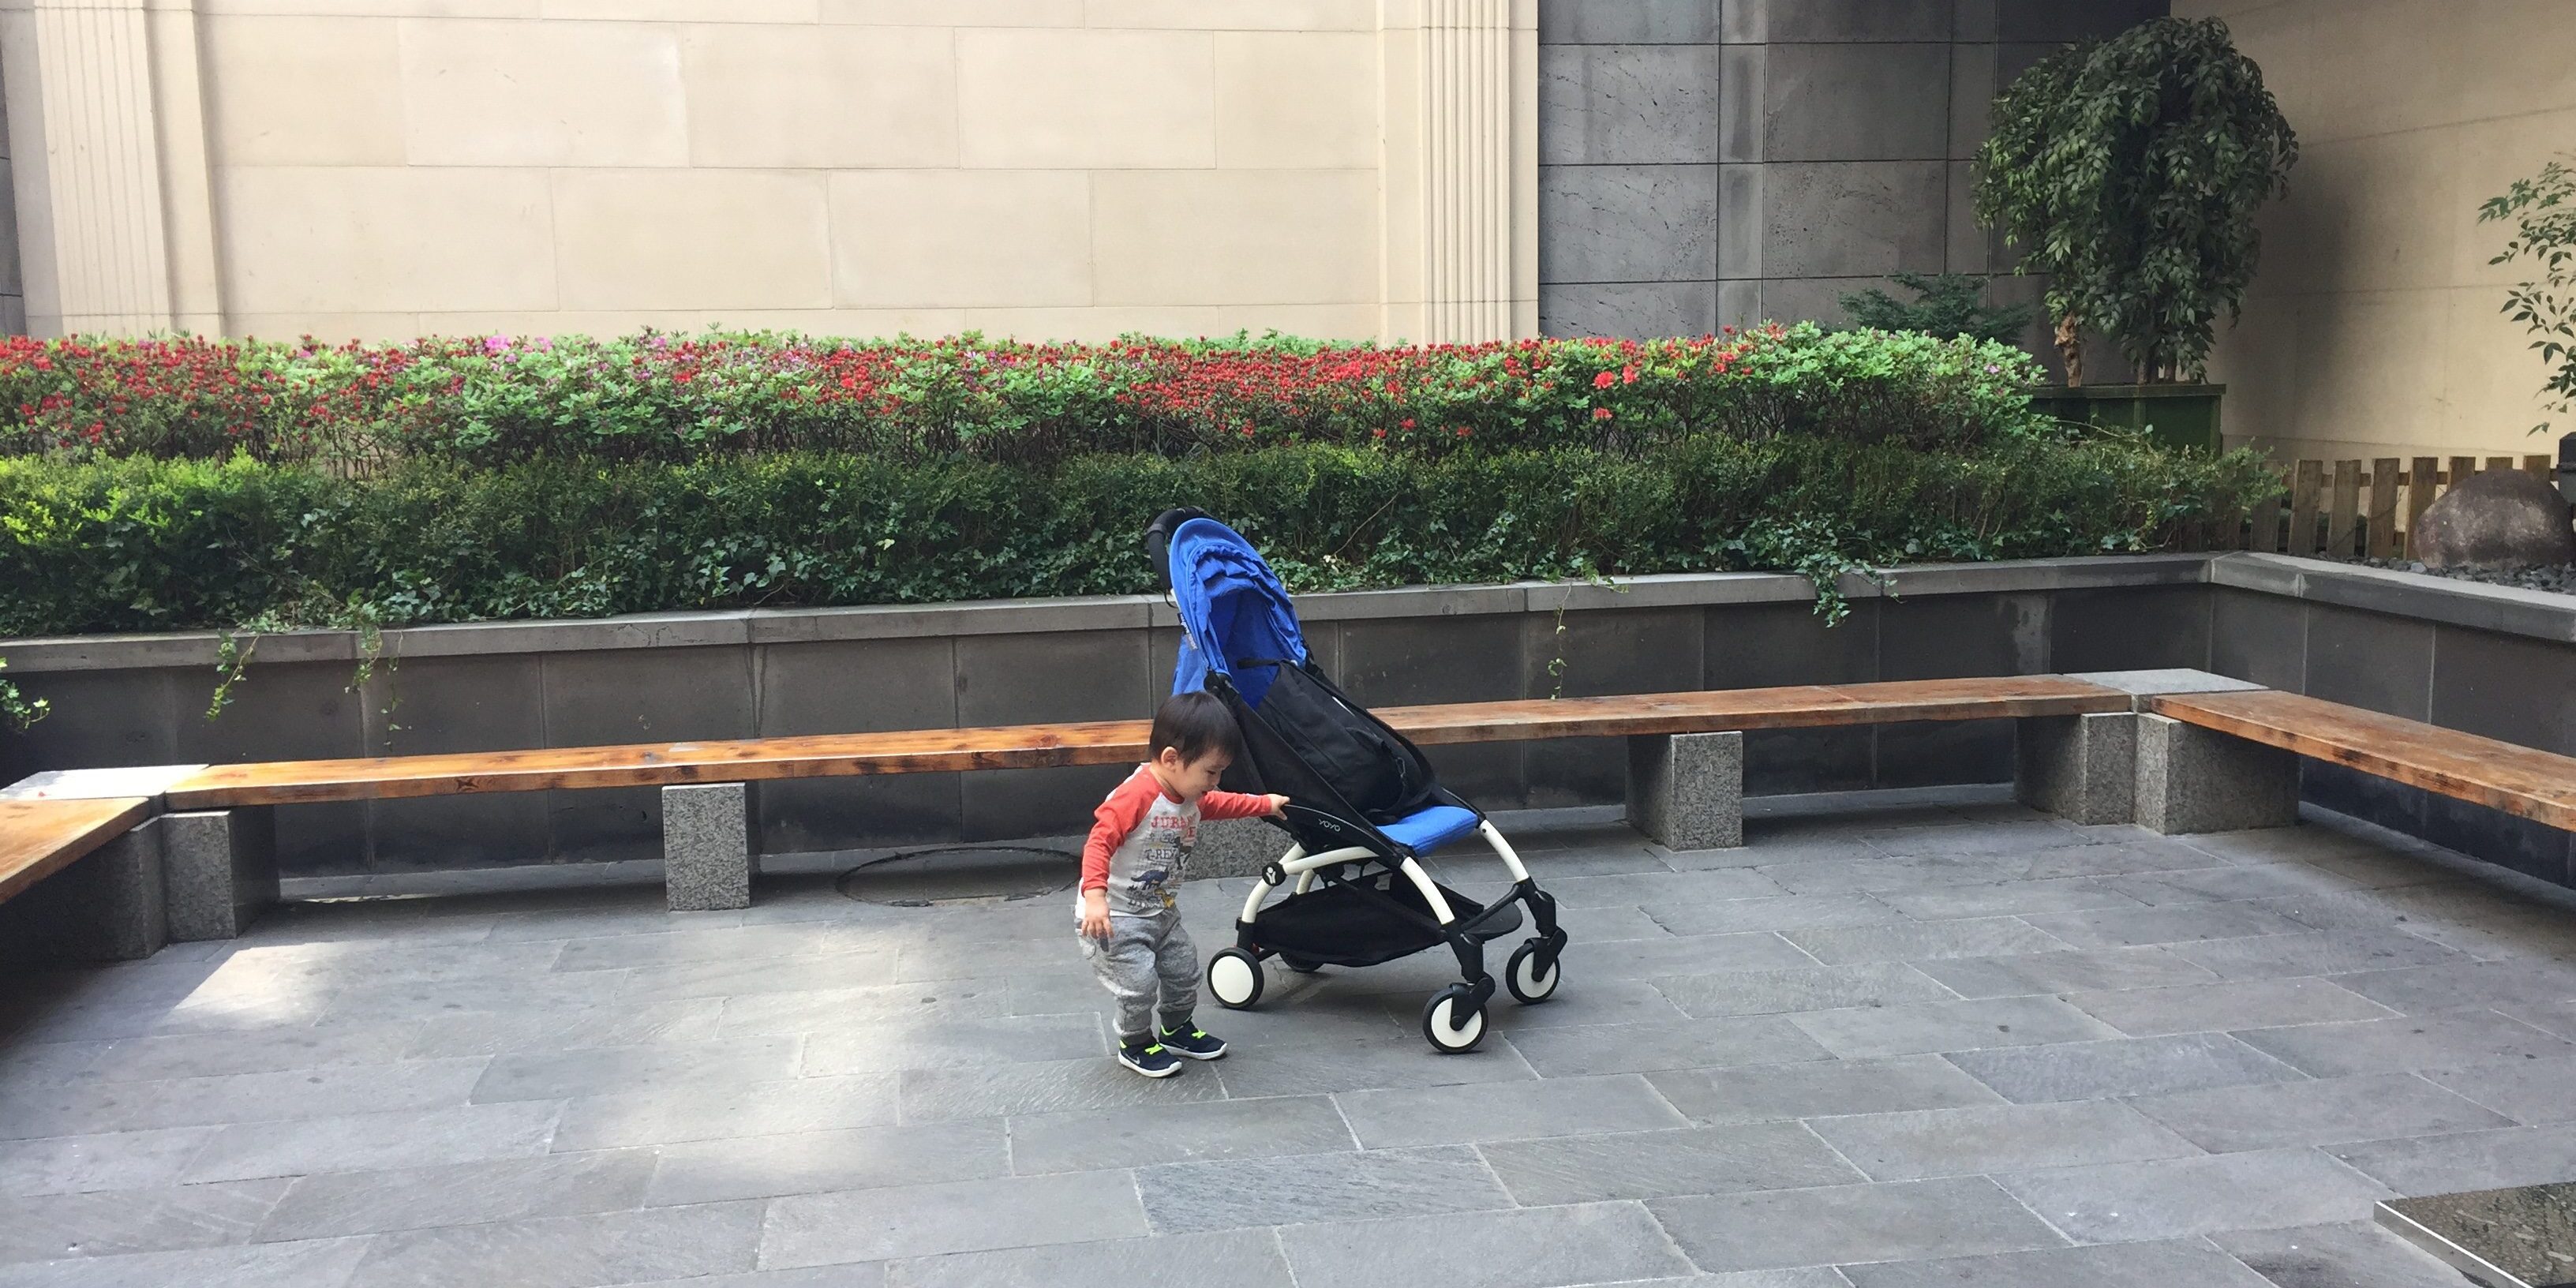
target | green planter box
[{"x": 2179, "y": 415}]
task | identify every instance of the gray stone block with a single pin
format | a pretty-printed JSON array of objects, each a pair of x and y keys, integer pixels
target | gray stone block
[
  {"x": 1628, "y": 223},
  {"x": 1817, "y": 299},
  {"x": 106, "y": 906},
  {"x": 1739, "y": 304},
  {"x": 1628, "y": 104},
  {"x": 2372, "y": 661},
  {"x": 1854, "y": 218},
  {"x": 1739, "y": 114},
  {"x": 1663, "y": 1164},
  {"x": 1809, "y": 21},
  {"x": 1377, "y": 1183},
  {"x": 1851, "y": 1223},
  {"x": 1235, "y": 847},
  {"x": 1687, "y": 790},
  {"x": 2115, "y": 1067},
  {"x": 2258, "y": 637},
  {"x": 1627, "y": 310},
  {"x": 1627, "y": 22},
  {"x": 2192, "y": 779},
  {"x": 1739, "y": 232},
  {"x": 1854, "y": 102},
  {"x": 1600, "y": 1243},
  {"x": 2177, "y": 1198},
  {"x": 2084, "y": 769},
  {"x": 707, "y": 846},
  {"x": 1918, "y": 1144},
  {"x": 219, "y": 869},
  {"x": 1970, "y": 248},
  {"x": 1972, "y": 91}
]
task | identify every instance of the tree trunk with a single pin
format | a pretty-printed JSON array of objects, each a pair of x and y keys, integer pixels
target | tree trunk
[{"x": 2070, "y": 346}]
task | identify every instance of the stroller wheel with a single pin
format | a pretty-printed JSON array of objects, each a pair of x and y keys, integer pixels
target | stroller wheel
[
  {"x": 1533, "y": 973},
  {"x": 1299, "y": 965},
  {"x": 1449, "y": 1022},
  {"x": 1234, "y": 978}
]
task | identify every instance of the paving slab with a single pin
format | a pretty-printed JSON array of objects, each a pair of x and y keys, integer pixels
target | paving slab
[
  {"x": 2532, "y": 1092},
  {"x": 1084, "y": 1140},
  {"x": 2121, "y": 1067},
  {"x": 2007, "y": 1138},
  {"x": 1921, "y": 941},
  {"x": 673, "y": 1114},
  {"x": 570, "y": 1252},
  {"x": 1665, "y": 1164},
  {"x": 1806, "y": 988},
  {"x": 2478, "y": 1160},
  {"x": 2209, "y": 1008},
  {"x": 2008, "y": 898},
  {"x": 1506, "y": 1111},
  {"x": 2354, "y": 1254},
  {"x": 961, "y": 1216},
  {"x": 2471, "y": 986},
  {"x": 1779, "y": 912},
  {"x": 1949, "y": 1026},
  {"x": 2177, "y": 1198},
  {"x": 2181, "y": 1264},
  {"x": 1228, "y": 1195},
  {"x": 2319, "y": 1111},
  {"x": 1531, "y": 1248},
  {"x": 754, "y": 1167},
  {"x": 1767, "y": 1092},
  {"x": 135, "y": 1160},
  {"x": 1234, "y": 1258},
  {"x": 355, "y": 1203},
  {"x": 2411, "y": 1042},
  {"x": 51, "y": 1226},
  {"x": 1841, "y": 1224},
  {"x": 1575, "y": 1051},
  {"x": 324, "y": 1264},
  {"x": 369, "y": 1142},
  {"x": 2085, "y": 970}
]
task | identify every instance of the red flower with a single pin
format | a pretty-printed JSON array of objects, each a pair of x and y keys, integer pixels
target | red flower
[
  {"x": 1462, "y": 431},
  {"x": 1408, "y": 424},
  {"x": 1601, "y": 413},
  {"x": 1628, "y": 376},
  {"x": 1604, "y": 380}
]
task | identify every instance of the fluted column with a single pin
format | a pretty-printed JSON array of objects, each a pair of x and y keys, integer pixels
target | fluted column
[
  {"x": 105, "y": 130},
  {"x": 1461, "y": 169}
]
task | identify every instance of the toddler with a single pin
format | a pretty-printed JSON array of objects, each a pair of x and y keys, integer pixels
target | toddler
[{"x": 1132, "y": 868}]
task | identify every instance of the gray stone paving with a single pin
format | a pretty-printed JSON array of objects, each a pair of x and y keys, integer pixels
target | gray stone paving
[{"x": 1955, "y": 1042}]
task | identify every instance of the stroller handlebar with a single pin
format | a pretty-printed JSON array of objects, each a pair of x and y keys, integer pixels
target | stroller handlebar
[{"x": 1158, "y": 542}]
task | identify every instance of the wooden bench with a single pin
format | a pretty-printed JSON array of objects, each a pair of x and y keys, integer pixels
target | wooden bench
[
  {"x": 1685, "y": 759},
  {"x": 2521, "y": 781}
]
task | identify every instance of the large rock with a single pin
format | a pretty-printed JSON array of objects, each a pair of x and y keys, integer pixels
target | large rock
[{"x": 2497, "y": 517}]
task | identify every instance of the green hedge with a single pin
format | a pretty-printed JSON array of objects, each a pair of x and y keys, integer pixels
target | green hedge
[{"x": 141, "y": 544}]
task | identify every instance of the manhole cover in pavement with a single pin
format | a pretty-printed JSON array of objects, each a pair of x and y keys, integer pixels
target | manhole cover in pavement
[{"x": 961, "y": 874}]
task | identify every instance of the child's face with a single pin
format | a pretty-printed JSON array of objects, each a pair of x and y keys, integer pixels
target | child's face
[{"x": 1191, "y": 779}]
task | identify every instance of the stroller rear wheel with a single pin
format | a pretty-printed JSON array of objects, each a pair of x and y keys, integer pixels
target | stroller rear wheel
[
  {"x": 1533, "y": 972},
  {"x": 1453, "y": 1021},
  {"x": 1234, "y": 978}
]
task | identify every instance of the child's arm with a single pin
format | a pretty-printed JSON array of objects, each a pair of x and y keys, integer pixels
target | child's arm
[
  {"x": 1225, "y": 805},
  {"x": 1118, "y": 816}
]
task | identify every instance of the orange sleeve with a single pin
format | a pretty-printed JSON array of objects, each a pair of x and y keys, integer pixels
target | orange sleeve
[
  {"x": 1225, "y": 805},
  {"x": 1117, "y": 816}
]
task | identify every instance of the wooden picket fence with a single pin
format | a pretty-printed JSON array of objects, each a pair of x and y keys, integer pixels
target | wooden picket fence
[{"x": 2347, "y": 508}]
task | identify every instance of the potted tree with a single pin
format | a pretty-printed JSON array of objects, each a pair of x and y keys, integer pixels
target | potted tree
[{"x": 2129, "y": 170}]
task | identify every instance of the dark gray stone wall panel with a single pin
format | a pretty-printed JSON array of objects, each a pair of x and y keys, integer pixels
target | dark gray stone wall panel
[
  {"x": 1856, "y": 102},
  {"x": 1618, "y": 223},
  {"x": 1627, "y": 22},
  {"x": 1579, "y": 309},
  {"x": 1799, "y": 21},
  {"x": 1951, "y": 636},
  {"x": 2384, "y": 664},
  {"x": 2129, "y": 630},
  {"x": 100, "y": 720},
  {"x": 2499, "y": 686},
  {"x": 285, "y": 711},
  {"x": 1853, "y": 218},
  {"x": 1628, "y": 104},
  {"x": 2064, "y": 20},
  {"x": 2257, "y": 637}
]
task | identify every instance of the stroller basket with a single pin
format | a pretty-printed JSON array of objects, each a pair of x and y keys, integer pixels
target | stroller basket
[
  {"x": 1363, "y": 803},
  {"x": 1348, "y": 924}
]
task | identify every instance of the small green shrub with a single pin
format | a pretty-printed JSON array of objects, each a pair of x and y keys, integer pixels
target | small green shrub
[
  {"x": 140, "y": 544},
  {"x": 1944, "y": 305},
  {"x": 2543, "y": 211}
]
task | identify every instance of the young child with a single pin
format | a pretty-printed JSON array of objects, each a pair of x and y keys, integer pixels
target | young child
[{"x": 1131, "y": 869}]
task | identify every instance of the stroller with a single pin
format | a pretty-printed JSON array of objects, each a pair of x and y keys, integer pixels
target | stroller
[{"x": 1363, "y": 807}]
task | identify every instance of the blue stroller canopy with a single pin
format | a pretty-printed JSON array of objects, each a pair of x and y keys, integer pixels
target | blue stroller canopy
[{"x": 1233, "y": 610}]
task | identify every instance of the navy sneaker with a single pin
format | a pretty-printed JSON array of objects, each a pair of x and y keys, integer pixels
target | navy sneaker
[
  {"x": 1191, "y": 1041},
  {"x": 1152, "y": 1059}
]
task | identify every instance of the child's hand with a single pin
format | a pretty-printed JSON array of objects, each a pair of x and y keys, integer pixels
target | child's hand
[
  {"x": 1278, "y": 805},
  {"x": 1095, "y": 914}
]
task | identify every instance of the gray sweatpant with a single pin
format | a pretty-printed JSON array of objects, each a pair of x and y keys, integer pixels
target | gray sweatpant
[{"x": 1149, "y": 964}]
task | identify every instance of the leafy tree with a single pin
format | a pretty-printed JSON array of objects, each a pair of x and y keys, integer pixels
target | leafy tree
[
  {"x": 2544, "y": 213},
  {"x": 1944, "y": 305},
  {"x": 2130, "y": 170}
]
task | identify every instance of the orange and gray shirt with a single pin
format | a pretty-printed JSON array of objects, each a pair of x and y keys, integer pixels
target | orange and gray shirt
[{"x": 1141, "y": 839}]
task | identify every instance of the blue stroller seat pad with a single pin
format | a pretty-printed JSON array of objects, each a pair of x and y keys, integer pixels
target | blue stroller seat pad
[{"x": 1428, "y": 829}]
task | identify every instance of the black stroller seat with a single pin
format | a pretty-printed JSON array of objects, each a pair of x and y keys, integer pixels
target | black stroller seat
[{"x": 1364, "y": 806}]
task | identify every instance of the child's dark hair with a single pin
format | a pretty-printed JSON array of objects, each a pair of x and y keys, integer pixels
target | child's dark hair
[{"x": 1192, "y": 724}]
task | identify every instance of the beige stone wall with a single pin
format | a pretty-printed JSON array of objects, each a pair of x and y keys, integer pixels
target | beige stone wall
[
  {"x": 1038, "y": 168},
  {"x": 2373, "y": 326}
]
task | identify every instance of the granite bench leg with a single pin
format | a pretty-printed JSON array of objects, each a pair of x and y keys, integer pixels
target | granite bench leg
[
  {"x": 2084, "y": 769},
  {"x": 708, "y": 846},
  {"x": 1686, "y": 790},
  {"x": 107, "y": 906},
  {"x": 219, "y": 868},
  {"x": 2192, "y": 779}
]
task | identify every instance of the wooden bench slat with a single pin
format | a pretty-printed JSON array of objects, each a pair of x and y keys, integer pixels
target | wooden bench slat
[
  {"x": 1113, "y": 742},
  {"x": 2521, "y": 781},
  {"x": 40, "y": 838}
]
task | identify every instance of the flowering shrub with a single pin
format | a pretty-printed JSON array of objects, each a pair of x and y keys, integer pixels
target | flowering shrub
[
  {"x": 142, "y": 544},
  {"x": 658, "y": 397}
]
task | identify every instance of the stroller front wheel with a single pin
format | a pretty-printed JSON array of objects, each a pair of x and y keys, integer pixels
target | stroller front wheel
[
  {"x": 1453, "y": 1021},
  {"x": 1533, "y": 973},
  {"x": 1234, "y": 978}
]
